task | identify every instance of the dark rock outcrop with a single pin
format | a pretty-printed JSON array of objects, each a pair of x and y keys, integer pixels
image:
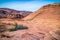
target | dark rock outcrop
[{"x": 10, "y": 13}]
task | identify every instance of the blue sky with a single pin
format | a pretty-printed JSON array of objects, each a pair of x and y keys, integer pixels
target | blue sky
[{"x": 28, "y": 5}]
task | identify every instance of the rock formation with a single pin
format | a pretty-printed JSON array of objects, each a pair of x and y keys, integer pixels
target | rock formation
[
  {"x": 46, "y": 18},
  {"x": 45, "y": 9},
  {"x": 10, "y": 13}
]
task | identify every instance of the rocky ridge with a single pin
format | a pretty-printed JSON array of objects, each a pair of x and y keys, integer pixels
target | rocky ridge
[{"x": 11, "y": 13}]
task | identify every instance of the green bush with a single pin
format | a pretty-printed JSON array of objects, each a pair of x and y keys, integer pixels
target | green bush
[{"x": 18, "y": 27}]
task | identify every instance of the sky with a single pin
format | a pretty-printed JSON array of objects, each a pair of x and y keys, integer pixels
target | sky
[{"x": 26, "y": 5}]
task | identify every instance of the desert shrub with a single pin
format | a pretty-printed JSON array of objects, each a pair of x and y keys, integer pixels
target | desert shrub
[{"x": 18, "y": 27}]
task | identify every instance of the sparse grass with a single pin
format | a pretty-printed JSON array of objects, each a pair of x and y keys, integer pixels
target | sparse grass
[{"x": 18, "y": 27}]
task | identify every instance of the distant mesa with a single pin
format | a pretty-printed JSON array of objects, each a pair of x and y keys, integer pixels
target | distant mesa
[{"x": 11, "y": 13}]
